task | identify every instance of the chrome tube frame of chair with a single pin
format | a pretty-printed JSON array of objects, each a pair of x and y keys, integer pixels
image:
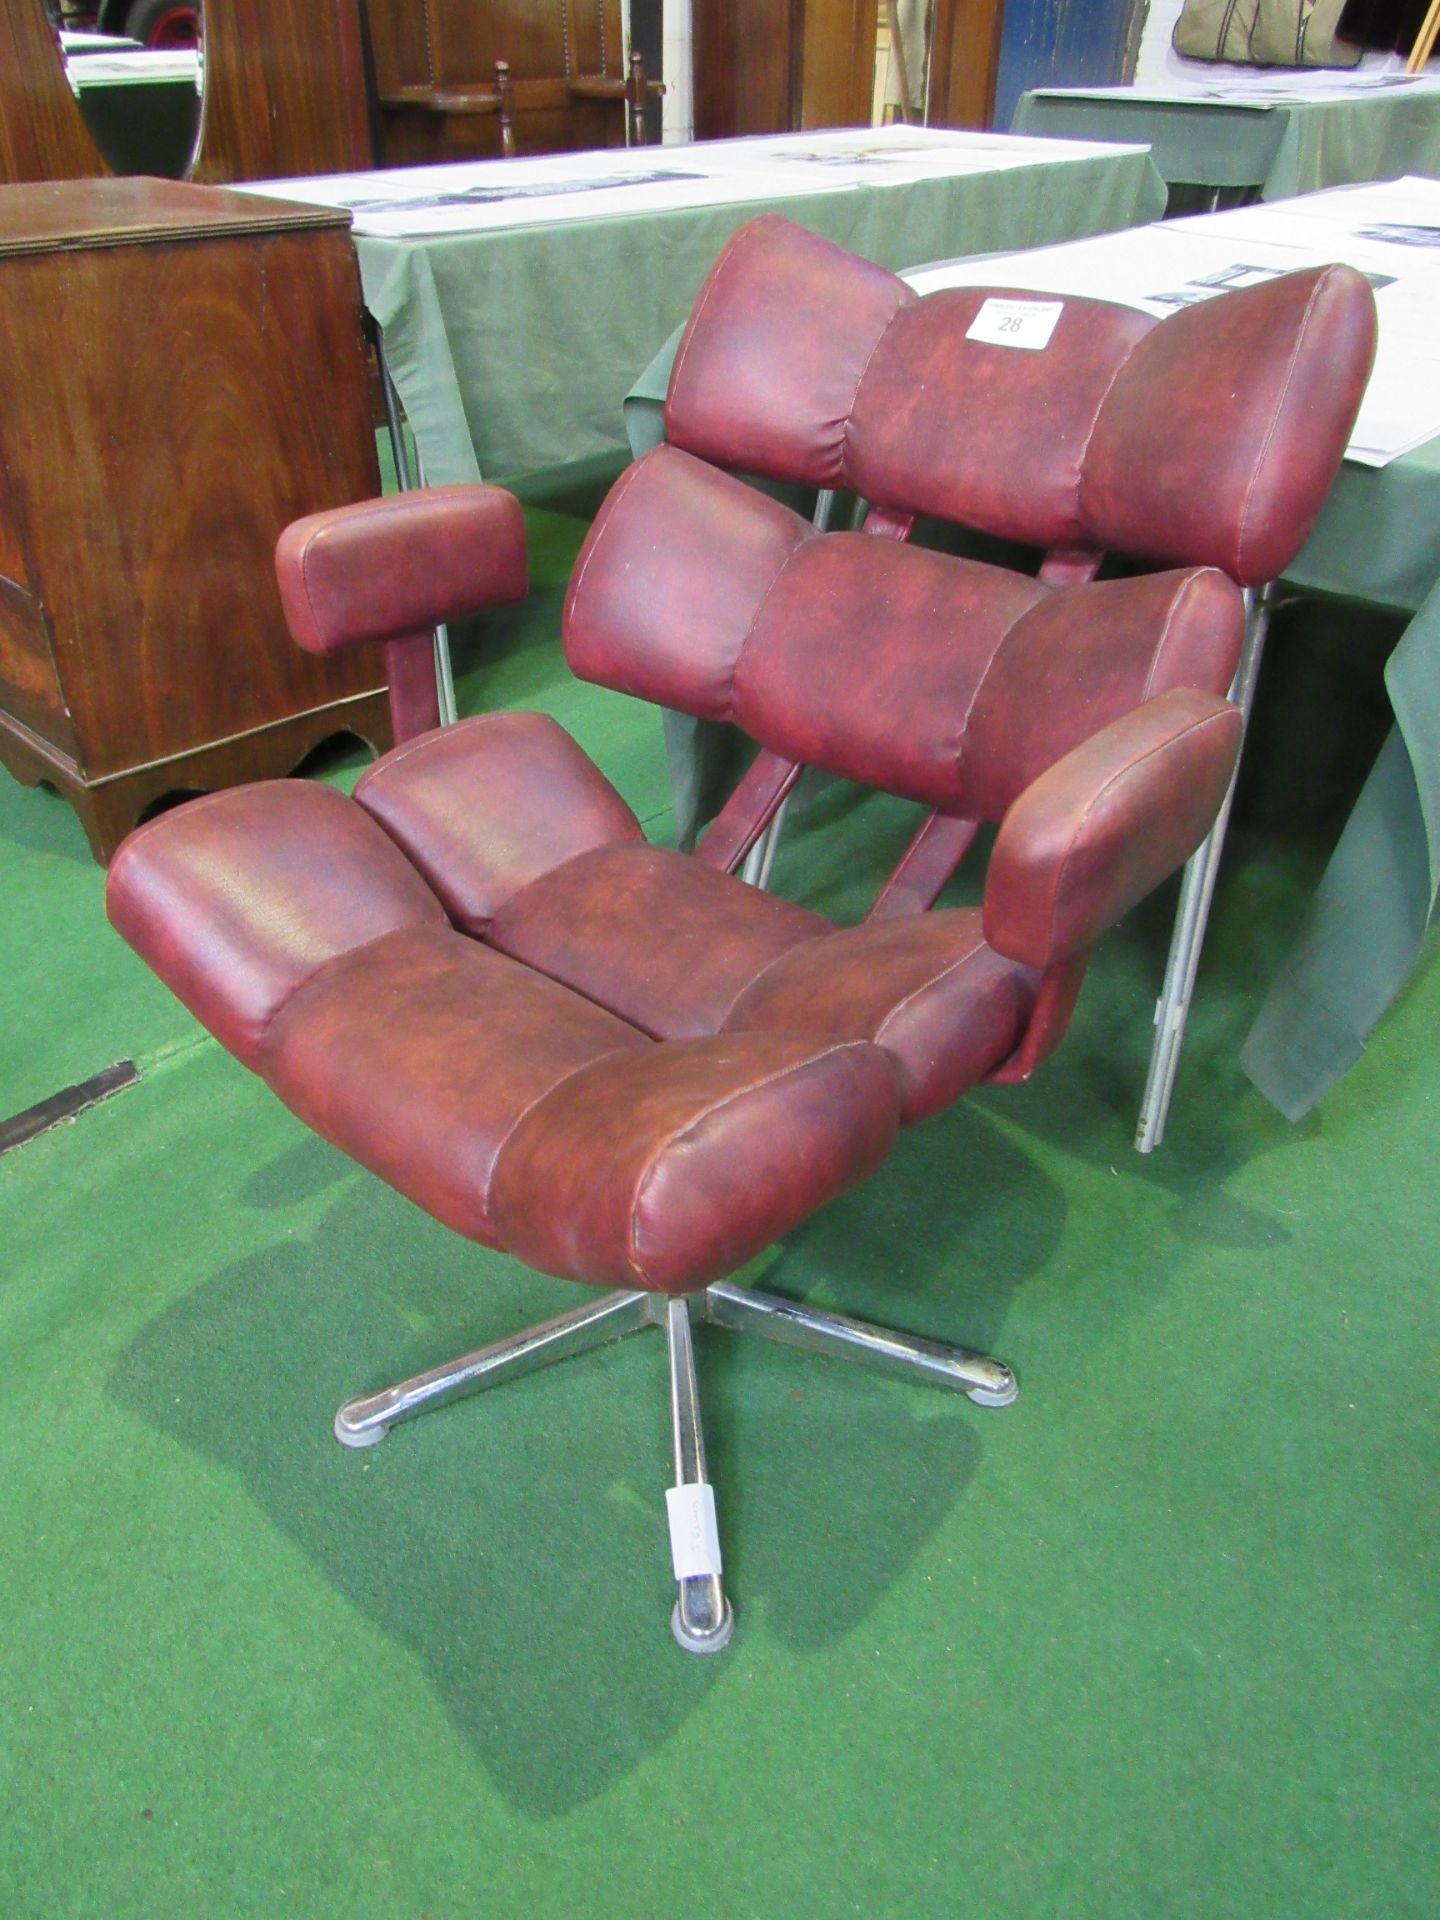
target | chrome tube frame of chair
[
  {"x": 1197, "y": 891},
  {"x": 703, "y": 1619},
  {"x": 409, "y": 476}
]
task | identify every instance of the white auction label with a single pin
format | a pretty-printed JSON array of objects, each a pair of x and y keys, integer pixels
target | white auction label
[
  {"x": 694, "y": 1538},
  {"x": 1016, "y": 323}
]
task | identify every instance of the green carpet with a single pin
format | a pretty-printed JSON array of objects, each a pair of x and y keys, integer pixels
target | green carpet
[{"x": 1159, "y": 1640}]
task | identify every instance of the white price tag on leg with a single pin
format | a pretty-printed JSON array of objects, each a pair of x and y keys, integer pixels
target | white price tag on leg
[
  {"x": 694, "y": 1538},
  {"x": 1016, "y": 323}
]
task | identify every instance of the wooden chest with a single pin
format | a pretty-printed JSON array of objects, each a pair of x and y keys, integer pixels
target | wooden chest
[{"x": 182, "y": 373}]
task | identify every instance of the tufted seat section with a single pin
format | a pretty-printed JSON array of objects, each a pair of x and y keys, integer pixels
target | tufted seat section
[
  {"x": 456, "y": 1072},
  {"x": 590, "y": 923},
  {"x": 944, "y": 1007},
  {"x": 471, "y": 1034},
  {"x": 943, "y": 1004},
  {"x": 466, "y": 1081}
]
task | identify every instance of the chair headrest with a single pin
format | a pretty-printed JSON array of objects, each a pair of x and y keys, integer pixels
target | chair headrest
[{"x": 1207, "y": 439}]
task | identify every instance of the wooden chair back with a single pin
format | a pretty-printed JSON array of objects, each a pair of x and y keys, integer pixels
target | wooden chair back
[
  {"x": 436, "y": 64},
  {"x": 42, "y": 135},
  {"x": 284, "y": 90}
]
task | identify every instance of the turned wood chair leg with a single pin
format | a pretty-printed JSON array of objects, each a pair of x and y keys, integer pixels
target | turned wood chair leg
[{"x": 507, "y": 109}]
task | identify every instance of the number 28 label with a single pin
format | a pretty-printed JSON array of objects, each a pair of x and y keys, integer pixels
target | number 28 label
[{"x": 1016, "y": 323}]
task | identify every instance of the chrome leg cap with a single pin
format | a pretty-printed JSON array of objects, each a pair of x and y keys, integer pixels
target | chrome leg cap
[
  {"x": 1003, "y": 1395},
  {"x": 713, "y": 1641},
  {"x": 349, "y": 1436}
]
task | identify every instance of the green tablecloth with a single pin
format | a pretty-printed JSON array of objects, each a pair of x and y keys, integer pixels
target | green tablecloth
[
  {"x": 1291, "y": 147},
  {"x": 1377, "y": 540},
  {"x": 512, "y": 350}
]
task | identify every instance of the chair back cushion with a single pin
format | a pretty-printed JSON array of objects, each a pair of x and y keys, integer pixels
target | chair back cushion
[
  {"x": 768, "y": 368},
  {"x": 942, "y": 679},
  {"x": 987, "y": 436},
  {"x": 1206, "y": 439}
]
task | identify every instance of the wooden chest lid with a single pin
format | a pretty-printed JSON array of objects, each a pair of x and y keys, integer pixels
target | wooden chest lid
[{"x": 64, "y": 215}]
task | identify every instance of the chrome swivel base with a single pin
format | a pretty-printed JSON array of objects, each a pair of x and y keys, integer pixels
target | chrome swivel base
[{"x": 703, "y": 1619}]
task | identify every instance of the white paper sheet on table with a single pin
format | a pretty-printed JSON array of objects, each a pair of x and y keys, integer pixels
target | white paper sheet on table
[
  {"x": 1409, "y": 208},
  {"x": 82, "y": 43},
  {"x": 490, "y": 195},
  {"x": 140, "y": 67},
  {"x": 1178, "y": 263},
  {"x": 1259, "y": 91}
]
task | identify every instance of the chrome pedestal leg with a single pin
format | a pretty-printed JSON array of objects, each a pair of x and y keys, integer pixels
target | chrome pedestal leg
[
  {"x": 1197, "y": 889},
  {"x": 989, "y": 1383},
  {"x": 364, "y": 1421},
  {"x": 703, "y": 1620}
]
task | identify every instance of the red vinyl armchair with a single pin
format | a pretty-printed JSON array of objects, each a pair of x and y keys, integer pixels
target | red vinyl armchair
[{"x": 624, "y": 1065}]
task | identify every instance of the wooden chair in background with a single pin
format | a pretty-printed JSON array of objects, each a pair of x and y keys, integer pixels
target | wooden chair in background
[
  {"x": 284, "y": 90},
  {"x": 457, "y": 81}
]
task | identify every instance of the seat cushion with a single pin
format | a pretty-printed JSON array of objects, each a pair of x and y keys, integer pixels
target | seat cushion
[
  {"x": 928, "y": 990},
  {"x": 237, "y": 898},
  {"x": 671, "y": 1166},
  {"x": 419, "y": 1055},
  {"x": 525, "y": 1117},
  {"x": 666, "y": 943},
  {"x": 486, "y": 805}
]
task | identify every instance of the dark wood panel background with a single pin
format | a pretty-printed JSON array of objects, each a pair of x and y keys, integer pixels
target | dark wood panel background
[
  {"x": 964, "y": 62},
  {"x": 767, "y": 66},
  {"x": 42, "y": 136},
  {"x": 425, "y": 49}
]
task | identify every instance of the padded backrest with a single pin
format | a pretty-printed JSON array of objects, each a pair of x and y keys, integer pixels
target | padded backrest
[
  {"x": 1225, "y": 427},
  {"x": 987, "y": 436},
  {"x": 940, "y": 679},
  {"x": 1209, "y": 438},
  {"x": 768, "y": 367}
]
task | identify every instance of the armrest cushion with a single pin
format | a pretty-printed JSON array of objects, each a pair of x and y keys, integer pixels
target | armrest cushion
[
  {"x": 387, "y": 569},
  {"x": 1106, "y": 824}
]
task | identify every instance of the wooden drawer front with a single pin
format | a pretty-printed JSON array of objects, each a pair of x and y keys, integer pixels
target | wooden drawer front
[
  {"x": 29, "y": 686},
  {"x": 211, "y": 392}
]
